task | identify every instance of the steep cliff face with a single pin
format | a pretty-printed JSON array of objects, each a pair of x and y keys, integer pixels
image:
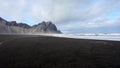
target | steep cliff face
[
  {"x": 21, "y": 28},
  {"x": 45, "y": 27}
]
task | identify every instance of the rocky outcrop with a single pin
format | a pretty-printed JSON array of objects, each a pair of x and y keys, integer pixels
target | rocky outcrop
[{"x": 21, "y": 28}]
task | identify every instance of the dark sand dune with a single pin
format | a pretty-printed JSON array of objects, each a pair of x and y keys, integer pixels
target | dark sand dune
[{"x": 52, "y": 52}]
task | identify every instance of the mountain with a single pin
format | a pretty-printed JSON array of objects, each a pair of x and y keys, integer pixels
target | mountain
[{"x": 13, "y": 27}]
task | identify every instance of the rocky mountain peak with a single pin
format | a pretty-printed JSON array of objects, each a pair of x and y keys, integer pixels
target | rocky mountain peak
[
  {"x": 48, "y": 23},
  {"x": 14, "y": 23},
  {"x": 44, "y": 23},
  {"x": 46, "y": 27},
  {"x": 23, "y": 25}
]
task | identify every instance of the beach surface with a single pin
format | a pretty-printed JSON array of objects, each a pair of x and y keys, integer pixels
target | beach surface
[{"x": 35, "y": 51}]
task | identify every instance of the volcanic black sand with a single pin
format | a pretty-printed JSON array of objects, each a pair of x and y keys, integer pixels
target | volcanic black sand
[{"x": 22, "y": 51}]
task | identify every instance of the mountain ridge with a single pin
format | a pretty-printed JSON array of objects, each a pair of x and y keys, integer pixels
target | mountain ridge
[{"x": 12, "y": 27}]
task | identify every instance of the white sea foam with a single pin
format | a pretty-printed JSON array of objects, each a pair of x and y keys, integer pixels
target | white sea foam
[{"x": 114, "y": 37}]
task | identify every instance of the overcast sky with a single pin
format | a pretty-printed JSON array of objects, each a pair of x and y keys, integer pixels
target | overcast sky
[{"x": 70, "y": 16}]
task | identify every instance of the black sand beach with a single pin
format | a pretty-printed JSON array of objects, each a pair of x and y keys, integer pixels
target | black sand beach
[{"x": 20, "y": 51}]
